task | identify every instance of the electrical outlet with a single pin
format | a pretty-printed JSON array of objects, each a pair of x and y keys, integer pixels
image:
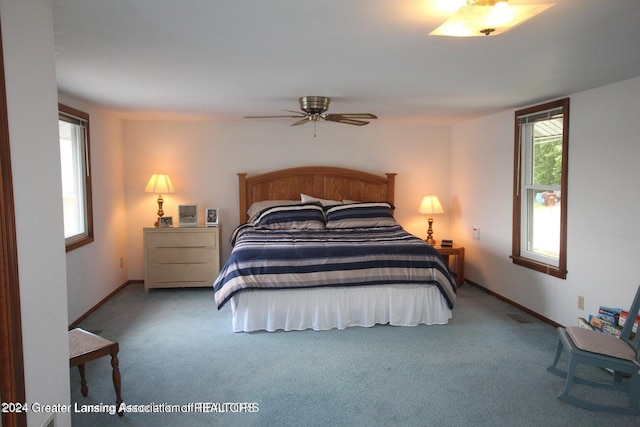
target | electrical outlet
[
  {"x": 580, "y": 302},
  {"x": 476, "y": 233}
]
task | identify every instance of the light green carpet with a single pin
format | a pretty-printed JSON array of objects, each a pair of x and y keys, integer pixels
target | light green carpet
[{"x": 487, "y": 367}]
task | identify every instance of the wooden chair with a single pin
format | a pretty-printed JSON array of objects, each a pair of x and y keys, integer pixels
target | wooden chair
[
  {"x": 620, "y": 355},
  {"x": 85, "y": 347}
]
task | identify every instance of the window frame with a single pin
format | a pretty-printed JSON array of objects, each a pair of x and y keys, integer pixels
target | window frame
[
  {"x": 78, "y": 240},
  {"x": 519, "y": 256}
]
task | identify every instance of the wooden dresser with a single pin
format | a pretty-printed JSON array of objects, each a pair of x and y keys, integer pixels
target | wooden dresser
[{"x": 181, "y": 257}]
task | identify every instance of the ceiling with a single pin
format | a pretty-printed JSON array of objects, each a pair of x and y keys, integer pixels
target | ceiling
[{"x": 224, "y": 59}]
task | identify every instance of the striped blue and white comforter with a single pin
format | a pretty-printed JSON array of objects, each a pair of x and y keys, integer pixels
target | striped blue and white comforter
[{"x": 285, "y": 259}]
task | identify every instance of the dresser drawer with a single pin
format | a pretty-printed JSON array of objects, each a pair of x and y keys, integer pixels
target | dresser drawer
[
  {"x": 174, "y": 255},
  {"x": 181, "y": 239},
  {"x": 196, "y": 274}
]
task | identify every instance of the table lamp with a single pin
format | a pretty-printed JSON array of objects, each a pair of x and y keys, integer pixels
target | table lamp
[
  {"x": 430, "y": 205},
  {"x": 159, "y": 184}
]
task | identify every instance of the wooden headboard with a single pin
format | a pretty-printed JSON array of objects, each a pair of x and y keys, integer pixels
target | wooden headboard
[{"x": 323, "y": 182}]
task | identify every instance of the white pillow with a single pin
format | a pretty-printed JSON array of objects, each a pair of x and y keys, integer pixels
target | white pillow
[{"x": 324, "y": 202}]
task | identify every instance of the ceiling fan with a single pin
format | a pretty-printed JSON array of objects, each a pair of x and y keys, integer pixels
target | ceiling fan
[{"x": 314, "y": 109}]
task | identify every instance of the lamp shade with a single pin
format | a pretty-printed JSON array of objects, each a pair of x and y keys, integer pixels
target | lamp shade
[
  {"x": 430, "y": 205},
  {"x": 159, "y": 184}
]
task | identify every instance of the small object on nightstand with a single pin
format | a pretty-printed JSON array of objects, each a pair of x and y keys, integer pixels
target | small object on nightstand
[{"x": 446, "y": 243}]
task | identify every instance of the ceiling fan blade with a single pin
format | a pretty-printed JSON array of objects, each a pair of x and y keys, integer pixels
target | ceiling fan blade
[
  {"x": 313, "y": 109},
  {"x": 272, "y": 117},
  {"x": 340, "y": 118},
  {"x": 301, "y": 122},
  {"x": 355, "y": 115}
]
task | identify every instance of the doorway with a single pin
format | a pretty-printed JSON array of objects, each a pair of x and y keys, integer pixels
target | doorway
[{"x": 12, "y": 387}]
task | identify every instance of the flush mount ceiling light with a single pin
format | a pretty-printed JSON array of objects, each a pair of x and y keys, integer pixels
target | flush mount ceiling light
[{"x": 487, "y": 17}]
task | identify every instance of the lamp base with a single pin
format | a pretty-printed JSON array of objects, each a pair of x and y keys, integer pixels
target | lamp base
[
  {"x": 430, "y": 240},
  {"x": 160, "y": 211}
]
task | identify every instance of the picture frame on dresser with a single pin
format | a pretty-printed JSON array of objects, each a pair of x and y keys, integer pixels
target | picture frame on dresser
[
  {"x": 166, "y": 222},
  {"x": 188, "y": 215},
  {"x": 211, "y": 217}
]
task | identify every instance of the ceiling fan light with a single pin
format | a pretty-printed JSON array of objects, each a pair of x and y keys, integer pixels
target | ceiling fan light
[
  {"x": 479, "y": 19},
  {"x": 501, "y": 14}
]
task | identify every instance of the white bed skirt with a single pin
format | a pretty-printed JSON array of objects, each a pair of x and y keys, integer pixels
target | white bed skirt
[{"x": 336, "y": 307}]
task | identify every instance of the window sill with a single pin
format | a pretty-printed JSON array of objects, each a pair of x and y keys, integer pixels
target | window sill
[
  {"x": 539, "y": 266},
  {"x": 78, "y": 243}
]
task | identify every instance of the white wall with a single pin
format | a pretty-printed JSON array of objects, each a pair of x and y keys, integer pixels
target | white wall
[
  {"x": 95, "y": 270},
  {"x": 27, "y": 37},
  {"x": 203, "y": 159},
  {"x": 603, "y": 200}
]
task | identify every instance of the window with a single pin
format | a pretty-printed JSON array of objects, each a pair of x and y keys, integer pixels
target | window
[
  {"x": 540, "y": 188},
  {"x": 76, "y": 177}
]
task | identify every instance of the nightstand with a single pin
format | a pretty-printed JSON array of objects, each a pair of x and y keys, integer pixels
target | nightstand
[
  {"x": 181, "y": 257},
  {"x": 458, "y": 252}
]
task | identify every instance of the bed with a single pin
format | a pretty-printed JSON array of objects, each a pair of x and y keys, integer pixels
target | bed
[{"x": 318, "y": 248}]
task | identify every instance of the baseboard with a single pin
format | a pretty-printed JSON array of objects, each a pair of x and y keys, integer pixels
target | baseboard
[
  {"x": 102, "y": 301},
  {"x": 515, "y": 304}
]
